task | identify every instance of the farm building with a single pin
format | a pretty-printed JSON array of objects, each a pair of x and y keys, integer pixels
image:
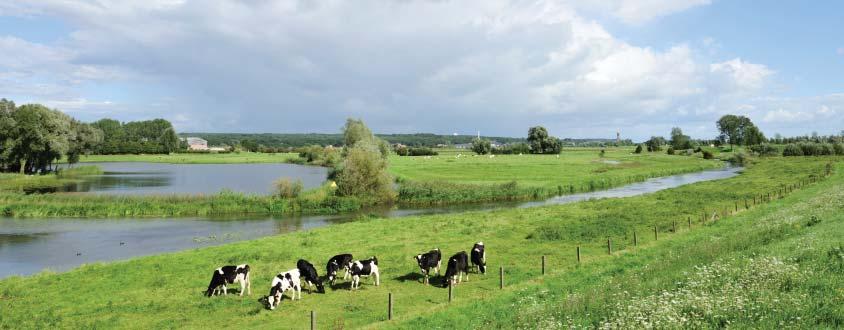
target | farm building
[{"x": 195, "y": 143}]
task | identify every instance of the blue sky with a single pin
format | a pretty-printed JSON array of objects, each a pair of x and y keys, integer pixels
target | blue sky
[{"x": 580, "y": 68}]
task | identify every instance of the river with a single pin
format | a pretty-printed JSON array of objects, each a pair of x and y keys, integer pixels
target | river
[{"x": 28, "y": 246}]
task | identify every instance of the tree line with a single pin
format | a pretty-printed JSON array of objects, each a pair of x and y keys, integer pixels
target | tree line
[{"x": 33, "y": 137}]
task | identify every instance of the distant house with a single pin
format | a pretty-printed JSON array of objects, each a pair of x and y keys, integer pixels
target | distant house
[
  {"x": 463, "y": 146},
  {"x": 195, "y": 143}
]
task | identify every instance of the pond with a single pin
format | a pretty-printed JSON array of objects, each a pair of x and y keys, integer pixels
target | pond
[
  {"x": 28, "y": 246},
  {"x": 136, "y": 178}
]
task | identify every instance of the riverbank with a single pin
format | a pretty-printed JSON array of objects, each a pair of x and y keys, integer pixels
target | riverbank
[
  {"x": 124, "y": 294},
  {"x": 196, "y": 158},
  {"x": 422, "y": 181}
]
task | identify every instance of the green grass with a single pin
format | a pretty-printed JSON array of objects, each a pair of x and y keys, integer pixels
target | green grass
[
  {"x": 196, "y": 158},
  {"x": 20, "y": 183},
  {"x": 446, "y": 179},
  {"x": 459, "y": 177},
  {"x": 124, "y": 294}
]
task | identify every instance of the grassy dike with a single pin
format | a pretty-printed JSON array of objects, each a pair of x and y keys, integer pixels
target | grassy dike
[{"x": 165, "y": 290}]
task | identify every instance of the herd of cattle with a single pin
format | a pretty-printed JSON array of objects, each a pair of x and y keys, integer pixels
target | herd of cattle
[{"x": 458, "y": 266}]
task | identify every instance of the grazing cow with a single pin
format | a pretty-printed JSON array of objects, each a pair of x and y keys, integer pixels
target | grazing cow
[
  {"x": 458, "y": 265},
  {"x": 283, "y": 282},
  {"x": 226, "y": 275},
  {"x": 428, "y": 261},
  {"x": 364, "y": 268},
  {"x": 340, "y": 261},
  {"x": 479, "y": 257},
  {"x": 309, "y": 274}
]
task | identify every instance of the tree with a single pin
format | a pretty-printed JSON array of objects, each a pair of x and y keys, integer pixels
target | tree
[
  {"x": 249, "y": 145},
  {"x": 638, "y": 149},
  {"x": 363, "y": 171},
  {"x": 655, "y": 143},
  {"x": 481, "y": 146},
  {"x": 680, "y": 141},
  {"x": 39, "y": 137},
  {"x": 541, "y": 143},
  {"x": 738, "y": 130},
  {"x": 83, "y": 139}
]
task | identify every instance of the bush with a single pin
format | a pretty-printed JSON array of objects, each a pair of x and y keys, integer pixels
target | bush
[
  {"x": 838, "y": 148},
  {"x": 708, "y": 154},
  {"x": 670, "y": 151},
  {"x": 512, "y": 149},
  {"x": 792, "y": 150},
  {"x": 764, "y": 150},
  {"x": 825, "y": 149},
  {"x": 423, "y": 151},
  {"x": 288, "y": 189},
  {"x": 738, "y": 159},
  {"x": 481, "y": 146},
  {"x": 363, "y": 173},
  {"x": 638, "y": 149},
  {"x": 809, "y": 149}
]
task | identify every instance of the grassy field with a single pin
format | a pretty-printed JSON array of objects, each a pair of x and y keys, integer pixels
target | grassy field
[
  {"x": 445, "y": 179},
  {"x": 165, "y": 290},
  {"x": 196, "y": 158},
  {"x": 14, "y": 182},
  {"x": 572, "y": 167}
]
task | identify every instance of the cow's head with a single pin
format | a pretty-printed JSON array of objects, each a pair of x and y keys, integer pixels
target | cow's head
[{"x": 275, "y": 295}]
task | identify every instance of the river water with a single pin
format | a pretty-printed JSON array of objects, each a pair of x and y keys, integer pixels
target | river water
[{"x": 28, "y": 246}]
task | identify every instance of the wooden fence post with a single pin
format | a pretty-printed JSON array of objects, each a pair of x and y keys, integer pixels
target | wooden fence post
[
  {"x": 656, "y": 236},
  {"x": 736, "y": 206},
  {"x": 635, "y": 239},
  {"x": 313, "y": 320},
  {"x": 609, "y": 246},
  {"x": 674, "y": 226},
  {"x": 690, "y": 222},
  {"x": 501, "y": 278},
  {"x": 746, "y": 207},
  {"x": 543, "y": 265},
  {"x": 450, "y": 293},
  {"x": 389, "y": 306},
  {"x": 578, "y": 254}
]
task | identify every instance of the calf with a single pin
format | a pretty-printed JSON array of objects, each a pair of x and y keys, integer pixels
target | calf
[
  {"x": 309, "y": 273},
  {"x": 283, "y": 282},
  {"x": 458, "y": 265},
  {"x": 428, "y": 261},
  {"x": 479, "y": 257},
  {"x": 340, "y": 261},
  {"x": 364, "y": 268},
  {"x": 226, "y": 275}
]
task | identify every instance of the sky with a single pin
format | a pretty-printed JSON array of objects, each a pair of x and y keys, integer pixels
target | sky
[{"x": 583, "y": 69}]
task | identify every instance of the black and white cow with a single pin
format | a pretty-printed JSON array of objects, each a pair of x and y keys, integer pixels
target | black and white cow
[
  {"x": 335, "y": 264},
  {"x": 309, "y": 274},
  {"x": 479, "y": 257},
  {"x": 226, "y": 275},
  {"x": 366, "y": 268},
  {"x": 283, "y": 282},
  {"x": 458, "y": 265},
  {"x": 428, "y": 261}
]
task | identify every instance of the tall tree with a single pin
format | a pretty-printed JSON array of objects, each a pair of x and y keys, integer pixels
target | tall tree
[
  {"x": 363, "y": 171},
  {"x": 680, "y": 141},
  {"x": 40, "y": 136},
  {"x": 738, "y": 130},
  {"x": 541, "y": 143},
  {"x": 83, "y": 139}
]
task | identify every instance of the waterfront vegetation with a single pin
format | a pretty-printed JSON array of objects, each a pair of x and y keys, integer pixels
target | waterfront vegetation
[
  {"x": 196, "y": 158},
  {"x": 444, "y": 179},
  {"x": 777, "y": 263}
]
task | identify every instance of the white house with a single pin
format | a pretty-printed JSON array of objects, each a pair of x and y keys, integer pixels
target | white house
[{"x": 195, "y": 143}]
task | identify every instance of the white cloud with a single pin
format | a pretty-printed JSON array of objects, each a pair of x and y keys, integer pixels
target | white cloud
[{"x": 402, "y": 66}]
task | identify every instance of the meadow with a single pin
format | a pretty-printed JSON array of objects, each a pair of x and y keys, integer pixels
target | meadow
[
  {"x": 444, "y": 179},
  {"x": 165, "y": 290},
  {"x": 196, "y": 158}
]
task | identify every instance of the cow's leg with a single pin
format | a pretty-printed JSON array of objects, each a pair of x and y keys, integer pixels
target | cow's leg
[
  {"x": 248, "y": 285},
  {"x": 299, "y": 289},
  {"x": 225, "y": 290},
  {"x": 377, "y": 279}
]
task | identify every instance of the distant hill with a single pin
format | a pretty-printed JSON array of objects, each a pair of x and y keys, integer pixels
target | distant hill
[{"x": 280, "y": 140}]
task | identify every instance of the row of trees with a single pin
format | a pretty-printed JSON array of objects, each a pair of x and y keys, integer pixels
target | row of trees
[
  {"x": 538, "y": 142},
  {"x": 155, "y": 136},
  {"x": 33, "y": 137}
]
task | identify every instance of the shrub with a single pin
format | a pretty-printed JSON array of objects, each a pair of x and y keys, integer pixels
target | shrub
[
  {"x": 825, "y": 149},
  {"x": 481, "y": 146},
  {"x": 286, "y": 188},
  {"x": 738, "y": 159},
  {"x": 670, "y": 151},
  {"x": 638, "y": 149},
  {"x": 792, "y": 150},
  {"x": 838, "y": 148},
  {"x": 363, "y": 173},
  {"x": 423, "y": 151},
  {"x": 708, "y": 154},
  {"x": 764, "y": 150},
  {"x": 809, "y": 149}
]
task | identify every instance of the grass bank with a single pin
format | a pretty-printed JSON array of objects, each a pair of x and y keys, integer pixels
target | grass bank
[
  {"x": 196, "y": 158},
  {"x": 461, "y": 178},
  {"x": 423, "y": 181},
  {"x": 126, "y": 294},
  {"x": 22, "y": 183}
]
